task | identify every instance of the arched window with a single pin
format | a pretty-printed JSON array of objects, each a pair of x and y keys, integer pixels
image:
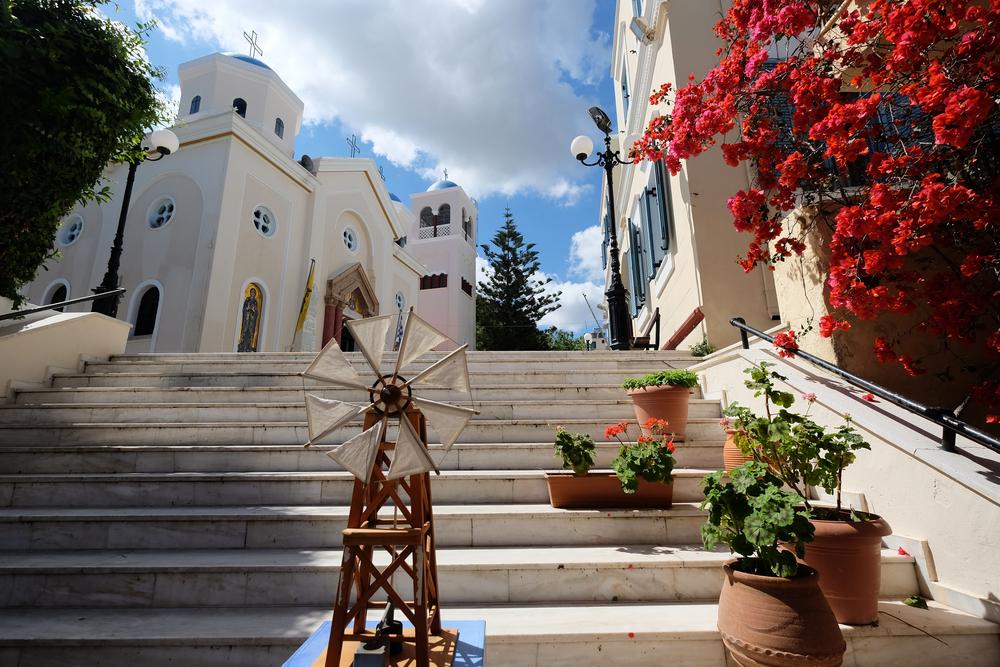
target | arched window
[
  {"x": 195, "y": 104},
  {"x": 279, "y": 128},
  {"x": 444, "y": 214},
  {"x": 240, "y": 106},
  {"x": 426, "y": 217},
  {"x": 145, "y": 316},
  {"x": 58, "y": 294}
]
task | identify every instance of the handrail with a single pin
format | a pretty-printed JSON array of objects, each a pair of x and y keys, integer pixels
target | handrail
[
  {"x": 53, "y": 306},
  {"x": 950, "y": 424}
]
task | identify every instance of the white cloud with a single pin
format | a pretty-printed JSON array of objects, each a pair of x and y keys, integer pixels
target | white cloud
[
  {"x": 483, "y": 270},
  {"x": 585, "y": 254},
  {"x": 573, "y": 313},
  {"x": 485, "y": 89}
]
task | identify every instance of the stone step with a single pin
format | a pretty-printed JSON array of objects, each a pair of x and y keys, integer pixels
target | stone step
[
  {"x": 175, "y": 395},
  {"x": 311, "y": 527},
  {"x": 389, "y": 357},
  {"x": 612, "y": 410},
  {"x": 521, "y": 375},
  {"x": 182, "y": 489},
  {"x": 263, "y": 458},
  {"x": 517, "y": 635},
  {"x": 292, "y": 577},
  {"x": 252, "y": 432}
]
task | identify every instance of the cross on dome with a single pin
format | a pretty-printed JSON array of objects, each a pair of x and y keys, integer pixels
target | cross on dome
[{"x": 252, "y": 39}]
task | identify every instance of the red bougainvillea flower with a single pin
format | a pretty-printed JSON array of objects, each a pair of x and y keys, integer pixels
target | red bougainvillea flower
[
  {"x": 868, "y": 397},
  {"x": 614, "y": 430},
  {"x": 785, "y": 342},
  {"x": 902, "y": 552}
]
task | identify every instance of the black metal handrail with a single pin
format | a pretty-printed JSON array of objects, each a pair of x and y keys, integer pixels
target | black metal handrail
[
  {"x": 950, "y": 424},
  {"x": 54, "y": 306}
]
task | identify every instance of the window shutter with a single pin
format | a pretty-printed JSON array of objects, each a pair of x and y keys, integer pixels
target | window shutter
[
  {"x": 666, "y": 208},
  {"x": 638, "y": 268},
  {"x": 627, "y": 259}
]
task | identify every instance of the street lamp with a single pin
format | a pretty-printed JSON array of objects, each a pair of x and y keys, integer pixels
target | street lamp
[
  {"x": 162, "y": 143},
  {"x": 619, "y": 320}
]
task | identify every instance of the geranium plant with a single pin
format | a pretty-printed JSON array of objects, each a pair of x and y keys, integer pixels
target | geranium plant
[
  {"x": 880, "y": 120},
  {"x": 650, "y": 458},
  {"x": 576, "y": 450}
]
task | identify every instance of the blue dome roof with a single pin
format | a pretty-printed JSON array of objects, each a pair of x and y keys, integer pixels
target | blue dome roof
[
  {"x": 442, "y": 185},
  {"x": 393, "y": 197},
  {"x": 247, "y": 59}
]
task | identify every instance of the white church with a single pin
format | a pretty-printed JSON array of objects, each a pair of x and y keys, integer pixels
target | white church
[{"x": 220, "y": 234}]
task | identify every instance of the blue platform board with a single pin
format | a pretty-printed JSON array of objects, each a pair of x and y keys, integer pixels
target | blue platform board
[{"x": 470, "y": 651}]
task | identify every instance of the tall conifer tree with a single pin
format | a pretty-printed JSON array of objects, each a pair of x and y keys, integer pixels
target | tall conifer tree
[{"x": 512, "y": 301}]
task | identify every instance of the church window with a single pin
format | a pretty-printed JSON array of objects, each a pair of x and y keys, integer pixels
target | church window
[
  {"x": 240, "y": 106},
  {"x": 161, "y": 212},
  {"x": 444, "y": 215},
  {"x": 71, "y": 230},
  {"x": 426, "y": 217},
  {"x": 58, "y": 295},
  {"x": 279, "y": 128},
  {"x": 195, "y": 104},
  {"x": 350, "y": 239},
  {"x": 264, "y": 222},
  {"x": 251, "y": 315},
  {"x": 145, "y": 317},
  {"x": 400, "y": 301}
]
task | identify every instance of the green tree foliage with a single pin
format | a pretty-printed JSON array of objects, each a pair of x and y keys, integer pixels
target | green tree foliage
[
  {"x": 78, "y": 94},
  {"x": 512, "y": 301},
  {"x": 557, "y": 339}
]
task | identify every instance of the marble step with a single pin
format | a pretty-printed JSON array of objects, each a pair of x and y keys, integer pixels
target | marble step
[
  {"x": 181, "y": 489},
  {"x": 248, "y": 394},
  {"x": 517, "y": 635},
  {"x": 523, "y": 374},
  {"x": 286, "y": 577},
  {"x": 389, "y": 357},
  {"x": 251, "y": 432},
  {"x": 264, "y": 458},
  {"x": 612, "y": 410},
  {"x": 311, "y": 527}
]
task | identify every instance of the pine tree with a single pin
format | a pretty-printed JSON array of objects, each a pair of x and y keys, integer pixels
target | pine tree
[{"x": 511, "y": 302}]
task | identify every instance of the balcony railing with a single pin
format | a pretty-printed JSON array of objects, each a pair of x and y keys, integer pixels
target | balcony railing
[{"x": 433, "y": 232}]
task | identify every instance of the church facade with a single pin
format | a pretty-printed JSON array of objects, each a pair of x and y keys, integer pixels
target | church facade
[{"x": 220, "y": 235}]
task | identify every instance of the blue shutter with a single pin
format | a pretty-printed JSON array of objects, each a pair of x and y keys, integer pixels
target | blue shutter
[
  {"x": 627, "y": 260},
  {"x": 638, "y": 267}
]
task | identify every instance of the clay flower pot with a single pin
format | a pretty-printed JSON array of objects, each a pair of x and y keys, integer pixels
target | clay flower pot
[
  {"x": 778, "y": 622},
  {"x": 848, "y": 556},
  {"x": 732, "y": 457},
  {"x": 662, "y": 402},
  {"x": 603, "y": 490}
]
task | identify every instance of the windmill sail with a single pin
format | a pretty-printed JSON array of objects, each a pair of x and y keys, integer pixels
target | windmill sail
[
  {"x": 419, "y": 337},
  {"x": 332, "y": 366},
  {"x": 358, "y": 454},
  {"x": 370, "y": 334},
  {"x": 451, "y": 372},
  {"x": 445, "y": 419},
  {"x": 326, "y": 414},
  {"x": 410, "y": 456}
]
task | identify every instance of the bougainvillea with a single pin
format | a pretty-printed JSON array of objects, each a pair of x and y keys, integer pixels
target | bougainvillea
[{"x": 879, "y": 118}]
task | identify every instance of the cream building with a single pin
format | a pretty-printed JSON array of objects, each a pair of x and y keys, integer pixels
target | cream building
[
  {"x": 678, "y": 246},
  {"x": 220, "y": 234}
]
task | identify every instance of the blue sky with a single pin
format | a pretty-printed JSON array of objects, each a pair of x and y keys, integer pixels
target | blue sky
[{"x": 492, "y": 91}]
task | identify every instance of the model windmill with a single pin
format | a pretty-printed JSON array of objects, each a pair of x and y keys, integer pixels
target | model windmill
[{"x": 388, "y": 474}]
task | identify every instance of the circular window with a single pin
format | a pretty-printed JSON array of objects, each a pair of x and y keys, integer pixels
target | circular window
[
  {"x": 400, "y": 301},
  {"x": 71, "y": 230},
  {"x": 264, "y": 222},
  {"x": 161, "y": 212},
  {"x": 351, "y": 239}
]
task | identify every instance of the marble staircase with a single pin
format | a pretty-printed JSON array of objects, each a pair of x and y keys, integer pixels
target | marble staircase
[{"x": 160, "y": 509}]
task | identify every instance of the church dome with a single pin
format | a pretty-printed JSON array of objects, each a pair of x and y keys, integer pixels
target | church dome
[
  {"x": 443, "y": 184},
  {"x": 248, "y": 59}
]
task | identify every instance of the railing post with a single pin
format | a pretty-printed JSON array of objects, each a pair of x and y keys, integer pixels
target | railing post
[
  {"x": 744, "y": 338},
  {"x": 948, "y": 439}
]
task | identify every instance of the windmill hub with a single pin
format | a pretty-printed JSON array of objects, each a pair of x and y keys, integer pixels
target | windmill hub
[{"x": 393, "y": 396}]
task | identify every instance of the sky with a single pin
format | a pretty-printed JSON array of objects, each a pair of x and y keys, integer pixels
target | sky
[{"x": 491, "y": 90}]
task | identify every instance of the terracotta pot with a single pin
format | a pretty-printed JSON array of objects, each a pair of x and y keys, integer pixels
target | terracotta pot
[
  {"x": 663, "y": 402},
  {"x": 778, "y": 622},
  {"x": 848, "y": 556},
  {"x": 732, "y": 457},
  {"x": 602, "y": 489}
]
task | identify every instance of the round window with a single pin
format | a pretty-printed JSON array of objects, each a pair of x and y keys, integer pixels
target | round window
[
  {"x": 400, "y": 301},
  {"x": 264, "y": 222},
  {"x": 71, "y": 230},
  {"x": 161, "y": 212},
  {"x": 351, "y": 239}
]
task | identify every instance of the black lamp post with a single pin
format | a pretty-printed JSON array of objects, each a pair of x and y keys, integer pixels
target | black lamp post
[
  {"x": 619, "y": 320},
  {"x": 163, "y": 143}
]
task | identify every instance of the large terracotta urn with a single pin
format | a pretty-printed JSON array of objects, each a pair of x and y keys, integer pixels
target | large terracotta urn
[
  {"x": 732, "y": 457},
  {"x": 662, "y": 402},
  {"x": 778, "y": 622}
]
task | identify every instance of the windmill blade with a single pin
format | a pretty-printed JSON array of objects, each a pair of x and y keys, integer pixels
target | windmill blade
[
  {"x": 410, "y": 456},
  {"x": 331, "y": 365},
  {"x": 451, "y": 372},
  {"x": 326, "y": 414},
  {"x": 358, "y": 454},
  {"x": 419, "y": 337},
  {"x": 369, "y": 335},
  {"x": 447, "y": 420}
]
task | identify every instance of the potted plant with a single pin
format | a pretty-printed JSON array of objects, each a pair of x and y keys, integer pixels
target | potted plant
[
  {"x": 662, "y": 395},
  {"x": 846, "y": 550},
  {"x": 650, "y": 459},
  {"x": 766, "y": 588},
  {"x": 732, "y": 456}
]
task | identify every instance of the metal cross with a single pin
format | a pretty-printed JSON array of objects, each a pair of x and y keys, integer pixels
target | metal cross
[
  {"x": 352, "y": 141},
  {"x": 252, "y": 38},
  {"x": 446, "y": 174},
  {"x": 381, "y": 173}
]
